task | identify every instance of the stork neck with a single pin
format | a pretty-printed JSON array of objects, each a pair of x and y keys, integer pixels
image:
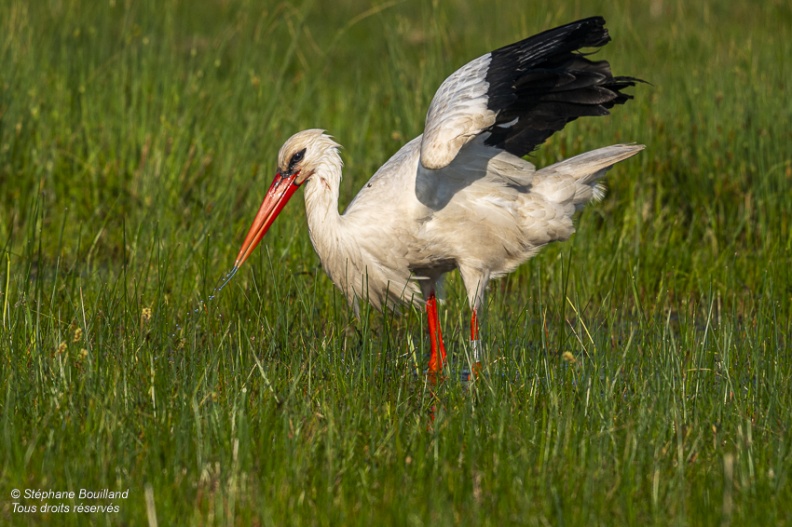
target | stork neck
[
  {"x": 321, "y": 207},
  {"x": 321, "y": 189}
]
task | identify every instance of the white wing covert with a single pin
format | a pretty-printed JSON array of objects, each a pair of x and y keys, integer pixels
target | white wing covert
[{"x": 521, "y": 94}]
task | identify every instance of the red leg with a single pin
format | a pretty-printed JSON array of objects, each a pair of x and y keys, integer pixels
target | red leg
[
  {"x": 438, "y": 356},
  {"x": 474, "y": 342}
]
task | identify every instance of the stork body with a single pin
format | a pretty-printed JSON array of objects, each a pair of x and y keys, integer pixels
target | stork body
[{"x": 460, "y": 196}]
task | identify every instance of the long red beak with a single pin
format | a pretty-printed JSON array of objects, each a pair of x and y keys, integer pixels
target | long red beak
[{"x": 282, "y": 188}]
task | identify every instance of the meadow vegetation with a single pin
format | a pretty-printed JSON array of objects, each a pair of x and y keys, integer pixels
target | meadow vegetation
[{"x": 638, "y": 374}]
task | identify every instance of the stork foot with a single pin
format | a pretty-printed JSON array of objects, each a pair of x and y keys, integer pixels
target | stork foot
[
  {"x": 471, "y": 374},
  {"x": 475, "y": 358},
  {"x": 435, "y": 378}
]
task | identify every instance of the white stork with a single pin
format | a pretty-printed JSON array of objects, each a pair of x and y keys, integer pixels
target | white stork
[{"x": 460, "y": 196}]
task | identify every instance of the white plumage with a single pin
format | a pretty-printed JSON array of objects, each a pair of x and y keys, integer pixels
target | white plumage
[{"x": 460, "y": 196}]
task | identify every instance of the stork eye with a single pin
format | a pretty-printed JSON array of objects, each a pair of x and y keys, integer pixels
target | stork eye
[{"x": 296, "y": 158}]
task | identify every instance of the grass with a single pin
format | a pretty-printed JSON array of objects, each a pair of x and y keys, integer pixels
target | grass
[{"x": 636, "y": 375}]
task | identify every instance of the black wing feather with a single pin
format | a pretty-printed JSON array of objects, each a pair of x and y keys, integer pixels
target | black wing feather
[{"x": 545, "y": 82}]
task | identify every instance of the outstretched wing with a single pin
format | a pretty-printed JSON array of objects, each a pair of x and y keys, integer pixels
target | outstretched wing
[{"x": 522, "y": 93}]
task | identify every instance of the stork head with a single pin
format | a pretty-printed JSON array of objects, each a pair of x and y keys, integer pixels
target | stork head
[
  {"x": 299, "y": 158},
  {"x": 305, "y": 152}
]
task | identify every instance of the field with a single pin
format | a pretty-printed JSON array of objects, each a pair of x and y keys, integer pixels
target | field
[{"x": 638, "y": 374}]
